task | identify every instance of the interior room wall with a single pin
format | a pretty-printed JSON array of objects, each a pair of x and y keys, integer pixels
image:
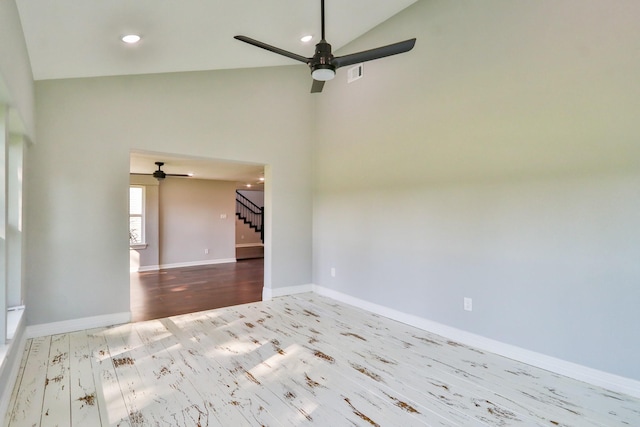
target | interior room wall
[
  {"x": 245, "y": 235},
  {"x": 256, "y": 196},
  {"x": 499, "y": 160},
  {"x": 16, "y": 78},
  {"x": 77, "y": 242},
  {"x": 197, "y": 216}
]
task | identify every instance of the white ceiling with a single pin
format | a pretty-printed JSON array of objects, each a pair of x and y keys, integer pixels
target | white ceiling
[
  {"x": 241, "y": 173},
  {"x": 81, "y": 38}
]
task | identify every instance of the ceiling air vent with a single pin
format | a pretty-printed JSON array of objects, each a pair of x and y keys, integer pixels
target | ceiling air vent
[{"x": 354, "y": 73}]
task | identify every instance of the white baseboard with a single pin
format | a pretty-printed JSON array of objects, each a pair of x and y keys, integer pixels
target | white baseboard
[
  {"x": 77, "y": 324},
  {"x": 11, "y": 367},
  {"x": 184, "y": 264},
  {"x": 269, "y": 293},
  {"x": 572, "y": 370}
]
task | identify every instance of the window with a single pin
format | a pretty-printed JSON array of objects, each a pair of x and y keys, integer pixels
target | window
[{"x": 136, "y": 215}]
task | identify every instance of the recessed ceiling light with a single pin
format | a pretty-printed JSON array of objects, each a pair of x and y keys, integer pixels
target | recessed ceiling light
[
  {"x": 131, "y": 38},
  {"x": 306, "y": 39},
  {"x": 261, "y": 179},
  {"x": 248, "y": 185}
]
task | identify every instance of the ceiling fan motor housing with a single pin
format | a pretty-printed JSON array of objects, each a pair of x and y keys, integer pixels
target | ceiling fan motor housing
[{"x": 322, "y": 60}]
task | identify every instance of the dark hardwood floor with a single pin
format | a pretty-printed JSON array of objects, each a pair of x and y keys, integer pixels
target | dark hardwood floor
[{"x": 163, "y": 293}]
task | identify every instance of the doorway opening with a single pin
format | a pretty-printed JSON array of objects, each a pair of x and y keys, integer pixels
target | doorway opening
[{"x": 189, "y": 249}]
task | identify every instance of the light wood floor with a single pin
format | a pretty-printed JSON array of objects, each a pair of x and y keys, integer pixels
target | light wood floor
[{"x": 293, "y": 361}]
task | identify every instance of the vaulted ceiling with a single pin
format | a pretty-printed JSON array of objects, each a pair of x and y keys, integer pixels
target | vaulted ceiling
[{"x": 80, "y": 38}]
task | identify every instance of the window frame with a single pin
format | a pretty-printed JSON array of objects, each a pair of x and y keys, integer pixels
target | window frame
[{"x": 141, "y": 244}]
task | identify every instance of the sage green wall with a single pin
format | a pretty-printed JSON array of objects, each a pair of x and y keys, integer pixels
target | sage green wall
[
  {"x": 499, "y": 160},
  {"x": 77, "y": 242}
]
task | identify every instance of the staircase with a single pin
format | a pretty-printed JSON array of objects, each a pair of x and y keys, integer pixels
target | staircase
[{"x": 250, "y": 214}]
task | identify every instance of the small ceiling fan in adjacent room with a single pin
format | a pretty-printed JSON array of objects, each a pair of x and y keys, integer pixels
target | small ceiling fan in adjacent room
[
  {"x": 323, "y": 64},
  {"x": 160, "y": 174}
]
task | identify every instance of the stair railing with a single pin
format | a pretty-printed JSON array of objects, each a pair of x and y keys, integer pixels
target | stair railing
[{"x": 250, "y": 213}]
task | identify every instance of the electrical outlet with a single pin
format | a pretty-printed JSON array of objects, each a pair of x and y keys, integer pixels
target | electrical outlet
[
  {"x": 468, "y": 304},
  {"x": 333, "y": 272},
  {"x": 206, "y": 251}
]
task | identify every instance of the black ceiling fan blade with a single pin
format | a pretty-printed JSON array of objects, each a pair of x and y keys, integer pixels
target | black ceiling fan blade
[
  {"x": 377, "y": 53},
  {"x": 272, "y": 49},
  {"x": 177, "y": 174},
  {"x": 316, "y": 86}
]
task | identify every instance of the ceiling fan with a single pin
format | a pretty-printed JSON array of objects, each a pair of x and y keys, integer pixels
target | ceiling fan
[
  {"x": 323, "y": 64},
  {"x": 160, "y": 174}
]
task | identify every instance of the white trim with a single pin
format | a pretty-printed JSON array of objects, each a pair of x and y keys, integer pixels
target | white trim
[
  {"x": 270, "y": 293},
  {"x": 14, "y": 317},
  {"x": 138, "y": 246},
  {"x": 6, "y": 389},
  {"x": 78, "y": 324},
  {"x": 184, "y": 264},
  {"x": 145, "y": 268},
  {"x": 291, "y": 290},
  {"x": 569, "y": 369},
  {"x": 249, "y": 245}
]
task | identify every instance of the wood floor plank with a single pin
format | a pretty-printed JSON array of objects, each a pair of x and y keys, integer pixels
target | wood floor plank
[
  {"x": 341, "y": 362},
  {"x": 174, "y": 291},
  {"x": 244, "y": 389},
  {"x": 211, "y": 380},
  {"x": 262, "y": 356},
  {"x": 419, "y": 383},
  {"x": 109, "y": 397},
  {"x": 170, "y": 378},
  {"x": 434, "y": 353},
  {"x": 28, "y": 407},
  {"x": 16, "y": 387},
  {"x": 302, "y": 360},
  {"x": 145, "y": 405},
  {"x": 553, "y": 398},
  {"x": 84, "y": 409},
  {"x": 285, "y": 360},
  {"x": 56, "y": 405}
]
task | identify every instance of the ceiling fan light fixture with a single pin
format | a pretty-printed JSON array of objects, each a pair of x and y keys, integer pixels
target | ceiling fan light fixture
[{"x": 323, "y": 74}]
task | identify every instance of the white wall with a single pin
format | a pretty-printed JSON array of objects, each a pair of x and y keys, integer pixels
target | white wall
[
  {"x": 16, "y": 79},
  {"x": 191, "y": 221},
  {"x": 499, "y": 160},
  {"x": 77, "y": 242}
]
